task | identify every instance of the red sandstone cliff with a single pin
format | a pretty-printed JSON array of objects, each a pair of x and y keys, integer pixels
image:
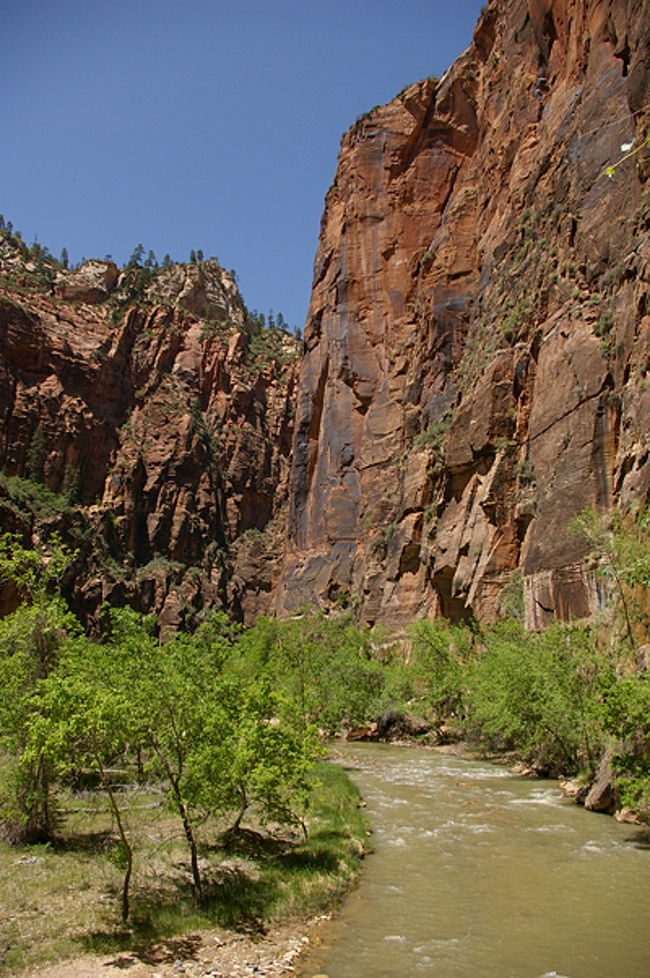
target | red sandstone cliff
[
  {"x": 478, "y": 339},
  {"x": 475, "y": 368},
  {"x": 162, "y": 415}
]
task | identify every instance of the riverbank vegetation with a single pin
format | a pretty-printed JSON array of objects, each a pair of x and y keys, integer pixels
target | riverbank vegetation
[
  {"x": 157, "y": 785},
  {"x": 181, "y": 774},
  {"x": 61, "y": 898}
]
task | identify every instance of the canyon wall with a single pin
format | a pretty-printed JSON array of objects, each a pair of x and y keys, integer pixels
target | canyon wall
[
  {"x": 478, "y": 339},
  {"x": 160, "y": 419},
  {"x": 474, "y": 371}
]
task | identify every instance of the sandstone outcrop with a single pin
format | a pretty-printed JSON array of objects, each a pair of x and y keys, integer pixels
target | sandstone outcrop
[
  {"x": 478, "y": 338},
  {"x": 167, "y": 422},
  {"x": 93, "y": 282}
]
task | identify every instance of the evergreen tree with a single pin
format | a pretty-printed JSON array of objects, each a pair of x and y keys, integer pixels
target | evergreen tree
[
  {"x": 136, "y": 258},
  {"x": 36, "y": 456}
]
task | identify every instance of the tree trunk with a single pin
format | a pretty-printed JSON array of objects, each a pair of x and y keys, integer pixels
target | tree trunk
[
  {"x": 122, "y": 831},
  {"x": 185, "y": 818}
]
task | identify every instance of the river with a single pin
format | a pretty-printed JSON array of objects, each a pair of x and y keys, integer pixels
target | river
[{"x": 478, "y": 873}]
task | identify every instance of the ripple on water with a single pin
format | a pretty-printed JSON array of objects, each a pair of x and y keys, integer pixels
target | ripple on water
[
  {"x": 397, "y": 841},
  {"x": 473, "y": 773},
  {"x": 560, "y": 827},
  {"x": 543, "y": 796},
  {"x": 602, "y": 848}
]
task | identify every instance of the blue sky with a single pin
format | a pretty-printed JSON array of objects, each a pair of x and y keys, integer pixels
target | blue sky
[{"x": 184, "y": 124}]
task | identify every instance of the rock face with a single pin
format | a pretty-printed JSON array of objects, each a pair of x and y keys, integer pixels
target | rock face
[
  {"x": 475, "y": 369},
  {"x": 167, "y": 421},
  {"x": 478, "y": 339}
]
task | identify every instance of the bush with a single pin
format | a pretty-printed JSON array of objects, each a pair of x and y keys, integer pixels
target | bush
[{"x": 538, "y": 695}]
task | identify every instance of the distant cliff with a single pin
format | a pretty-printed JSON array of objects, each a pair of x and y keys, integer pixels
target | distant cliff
[
  {"x": 478, "y": 339},
  {"x": 160, "y": 415},
  {"x": 474, "y": 373}
]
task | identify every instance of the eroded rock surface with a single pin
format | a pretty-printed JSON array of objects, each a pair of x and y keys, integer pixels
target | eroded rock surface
[
  {"x": 166, "y": 421},
  {"x": 475, "y": 368},
  {"x": 477, "y": 344}
]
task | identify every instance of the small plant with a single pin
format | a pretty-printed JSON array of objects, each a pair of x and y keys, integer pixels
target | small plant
[
  {"x": 628, "y": 150},
  {"x": 604, "y": 324},
  {"x": 434, "y": 435}
]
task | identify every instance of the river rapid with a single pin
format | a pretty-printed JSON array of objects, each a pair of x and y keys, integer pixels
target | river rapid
[{"x": 478, "y": 873}]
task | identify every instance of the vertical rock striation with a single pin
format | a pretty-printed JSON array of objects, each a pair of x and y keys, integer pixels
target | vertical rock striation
[{"x": 477, "y": 343}]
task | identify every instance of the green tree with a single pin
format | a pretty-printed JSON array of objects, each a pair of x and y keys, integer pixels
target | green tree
[
  {"x": 135, "y": 261},
  {"x": 539, "y": 694},
  {"x": 85, "y": 720},
  {"x": 36, "y": 455},
  {"x": 31, "y": 642},
  {"x": 627, "y": 718},
  {"x": 620, "y": 547},
  {"x": 441, "y": 658},
  {"x": 325, "y": 666},
  {"x": 254, "y": 755}
]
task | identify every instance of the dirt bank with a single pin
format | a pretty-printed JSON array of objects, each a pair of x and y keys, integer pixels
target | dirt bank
[{"x": 210, "y": 954}]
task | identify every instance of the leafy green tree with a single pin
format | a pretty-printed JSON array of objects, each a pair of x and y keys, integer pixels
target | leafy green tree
[
  {"x": 441, "y": 657},
  {"x": 171, "y": 690},
  {"x": 627, "y": 718},
  {"x": 31, "y": 642},
  {"x": 538, "y": 694},
  {"x": 325, "y": 666},
  {"x": 253, "y": 754},
  {"x": 620, "y": 546},
  {"x": 85, "y": 720}
]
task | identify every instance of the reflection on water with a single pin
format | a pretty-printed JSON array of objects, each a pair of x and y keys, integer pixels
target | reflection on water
[{"x": 477, "y": 872}]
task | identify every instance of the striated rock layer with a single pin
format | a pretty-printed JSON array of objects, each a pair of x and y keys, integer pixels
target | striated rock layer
[
  {"x": 478, "y": 338},
  {"x": 149, "y": 401}
]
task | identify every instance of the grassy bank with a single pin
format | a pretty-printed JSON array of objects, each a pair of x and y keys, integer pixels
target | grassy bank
[{"x": 62, "y": 899}]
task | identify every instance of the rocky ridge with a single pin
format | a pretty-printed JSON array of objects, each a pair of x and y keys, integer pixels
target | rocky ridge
[{"x": 160, "y": 415}]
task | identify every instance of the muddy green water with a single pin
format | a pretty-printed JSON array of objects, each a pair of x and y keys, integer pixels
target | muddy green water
[{"x": 478, "y": 873}]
